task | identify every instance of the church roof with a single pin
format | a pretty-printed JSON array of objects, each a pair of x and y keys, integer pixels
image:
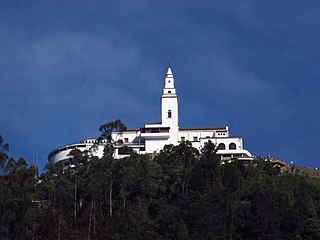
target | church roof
[{"x": 190, "y": 129}]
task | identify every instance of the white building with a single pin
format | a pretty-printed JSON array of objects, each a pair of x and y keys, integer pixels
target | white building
[{"x": 153, "y": 136}]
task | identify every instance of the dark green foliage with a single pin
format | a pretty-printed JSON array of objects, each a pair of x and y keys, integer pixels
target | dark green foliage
[
  {"x": 3, "y": 155},
  {"x": 109, "y": 127},
  {"x": 314, "y": 181},
  {"x": 179, "y": 194}
]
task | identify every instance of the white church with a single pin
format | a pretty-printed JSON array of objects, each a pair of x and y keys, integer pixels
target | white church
[{"x": 154, "y": 136}]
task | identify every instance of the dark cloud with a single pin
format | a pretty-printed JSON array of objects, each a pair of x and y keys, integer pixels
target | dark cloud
[{"x": 67, "y": 67}]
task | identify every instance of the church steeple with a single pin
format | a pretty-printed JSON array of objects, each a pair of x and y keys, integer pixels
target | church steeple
[
  {"x": 169, "y": 83},
  {"x": 169, "y": 107}
]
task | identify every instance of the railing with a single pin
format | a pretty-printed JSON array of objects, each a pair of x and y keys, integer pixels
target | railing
[{"x": 155, "y": 130}]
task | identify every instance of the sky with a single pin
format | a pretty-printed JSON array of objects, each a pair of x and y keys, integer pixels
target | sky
[{"x": 66, "y": 67}]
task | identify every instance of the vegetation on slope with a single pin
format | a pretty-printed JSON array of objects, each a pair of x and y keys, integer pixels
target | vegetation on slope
[
  {"x": 179, "y": 194},
  {"x": 314, "y": 181}
]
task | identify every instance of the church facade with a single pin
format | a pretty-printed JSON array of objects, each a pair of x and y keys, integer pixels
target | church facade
[{"x": 152, "y": 137}]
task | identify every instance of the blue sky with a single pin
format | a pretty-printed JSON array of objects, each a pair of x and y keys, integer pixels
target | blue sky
[{"x": 66, "y": 67}]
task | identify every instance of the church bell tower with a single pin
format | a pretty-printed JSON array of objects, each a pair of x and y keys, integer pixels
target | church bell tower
[{"x": 169, "y": 107}]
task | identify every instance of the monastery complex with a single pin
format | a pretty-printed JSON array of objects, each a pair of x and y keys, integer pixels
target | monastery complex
[{"x": 152, "y": 137}]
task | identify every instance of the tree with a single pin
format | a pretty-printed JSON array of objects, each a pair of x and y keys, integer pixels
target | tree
[
  {"x": 147, "y": 197},
  {"x": 109, "y": 127},
  {"x": 53, "y": 169},
  {"x": 311, "y": 229},
  {"x": 206, "y": 172},
  {"x": 177, "y": 163},
  {"x": 209, "y": 155},
  {"x": 77, "y": 157},
  {"x": 108, "y": 150},
  {"x": 21, "y": 163},
  {"x": 4, "y": 147},
  {"x": 11, "y": 165}
]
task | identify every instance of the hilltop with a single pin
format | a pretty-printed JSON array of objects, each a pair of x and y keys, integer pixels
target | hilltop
[{"x": 180, "y": 193}]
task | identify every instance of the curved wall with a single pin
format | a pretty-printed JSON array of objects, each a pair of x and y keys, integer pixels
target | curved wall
[{"x": 62, "y": 153}]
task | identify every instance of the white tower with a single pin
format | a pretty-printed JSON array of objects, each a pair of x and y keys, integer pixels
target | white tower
[{"x": 169, "y": 108}]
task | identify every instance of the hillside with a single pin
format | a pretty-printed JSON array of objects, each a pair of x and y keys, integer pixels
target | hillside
[
  {"x": 308, "y": 172},
  {"x": 178, "y": 194}
]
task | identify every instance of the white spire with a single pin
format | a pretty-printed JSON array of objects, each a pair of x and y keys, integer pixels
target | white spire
[
  {"x": 169, "y": 79},
  {"x": 169, "y": 108}
]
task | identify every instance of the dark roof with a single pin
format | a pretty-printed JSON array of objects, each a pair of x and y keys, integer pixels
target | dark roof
[
  {"x": 153, "y": 123},
  {"x": 224, "y": 137},
  {"x": 128, "y": 130},
  {"x": 190, "y": 129}
]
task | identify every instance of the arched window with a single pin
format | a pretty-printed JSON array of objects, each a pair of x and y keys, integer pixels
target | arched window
[
  {"x": 169, "y": 114},
  {"x": 232, "y": 146},
  {"x": 221, "y": 146}
]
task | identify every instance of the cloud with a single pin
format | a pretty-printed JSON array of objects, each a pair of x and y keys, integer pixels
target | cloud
[
  {"x": 73, "y": 82},
  {"x": 66, "y": 68}
]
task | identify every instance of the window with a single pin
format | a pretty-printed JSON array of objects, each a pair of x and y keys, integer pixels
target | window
[
  {"x": 232, "y": 146},
  {"x": 125, "y": 150},
  {"x": 169, "y": 114},
  {"x": 183, "y": 139},
  {"x": 142, "y": 148},
  {"x": 155, "y": 130},
  {"x": 195, "y": 139},
  {"x": 169, "y": 91},
  {"x": 126, "y": 140},
  {"x": 221, "y": 146},
  {"x": 162, "y": 130}
]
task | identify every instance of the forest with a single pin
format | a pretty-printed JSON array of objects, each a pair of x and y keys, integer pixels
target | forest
[{"x": 180, "y": 193}]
